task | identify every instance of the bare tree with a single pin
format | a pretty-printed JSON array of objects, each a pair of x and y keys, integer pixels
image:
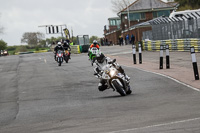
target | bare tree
[
  {"x": 119, "y": 5},
  {"x": 32, "y": 38}
]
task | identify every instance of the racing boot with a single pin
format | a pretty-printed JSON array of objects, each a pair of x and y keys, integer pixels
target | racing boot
[{"x": 102, "y": 87}]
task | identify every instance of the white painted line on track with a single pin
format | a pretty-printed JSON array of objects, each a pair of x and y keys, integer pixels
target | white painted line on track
[
  {"x": 193, "y": 88},
  {"x": 158, "y": 125},
  {"x": 121, "y": 53},
  {"x": 45, "y": 60},
  {"x": 178, "y": 81}
]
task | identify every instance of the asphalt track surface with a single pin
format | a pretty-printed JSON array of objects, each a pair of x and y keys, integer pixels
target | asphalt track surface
[{"x": 38, "y": 96}]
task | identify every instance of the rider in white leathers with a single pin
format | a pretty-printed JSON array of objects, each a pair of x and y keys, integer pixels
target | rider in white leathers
[{"x": 101, "y": 61}]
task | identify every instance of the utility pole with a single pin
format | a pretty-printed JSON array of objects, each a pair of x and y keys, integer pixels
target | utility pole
[
  {"x": 128, "y": 18},
  {"x": 72, "y": 33}
]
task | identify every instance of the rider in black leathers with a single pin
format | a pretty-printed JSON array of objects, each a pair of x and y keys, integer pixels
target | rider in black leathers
[
  {"x": 58, "y": 47},
  {"x": 66, "y": 47}
]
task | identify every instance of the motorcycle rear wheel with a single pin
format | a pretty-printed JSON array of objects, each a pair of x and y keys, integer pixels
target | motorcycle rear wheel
[{"x": 66, "y": 59}]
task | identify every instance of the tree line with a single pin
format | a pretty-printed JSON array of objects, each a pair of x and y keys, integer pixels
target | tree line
[
  {"x": 188, "y": 4},
  {"x": 35, "y": 41}
]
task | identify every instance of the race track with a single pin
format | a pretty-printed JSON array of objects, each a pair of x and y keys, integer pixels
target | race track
[{"x": 38, "y": 96}]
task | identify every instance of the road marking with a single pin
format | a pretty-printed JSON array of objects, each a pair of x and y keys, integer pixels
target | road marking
[
  {"x": 193, "y": 88},
  {"x": 178, "y": 81},
  {"x": 121, "y": 53},
  {"x": 158, "y": 125},
  {"x": 40, "y": 58},
  {"x": 45, "y": 60}
]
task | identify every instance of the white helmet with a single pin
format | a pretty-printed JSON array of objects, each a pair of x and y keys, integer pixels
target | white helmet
[
  {"x": 95, "y": 42},
  {"x": 59, "y": 43}
]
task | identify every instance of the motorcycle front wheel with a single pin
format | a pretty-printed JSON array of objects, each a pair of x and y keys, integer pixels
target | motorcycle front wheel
[{"x": 119, "y": 88}]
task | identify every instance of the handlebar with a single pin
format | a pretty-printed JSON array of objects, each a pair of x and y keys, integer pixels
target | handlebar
[{"x": 113, "y": 61}]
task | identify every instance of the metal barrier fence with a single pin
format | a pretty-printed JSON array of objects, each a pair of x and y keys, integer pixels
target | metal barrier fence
[
  {"x": 176, "y": 28},
  {"x": 174, "y": 45}
]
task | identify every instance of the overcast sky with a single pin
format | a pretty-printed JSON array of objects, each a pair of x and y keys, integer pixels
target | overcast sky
[{"x": 85, "y": 17}]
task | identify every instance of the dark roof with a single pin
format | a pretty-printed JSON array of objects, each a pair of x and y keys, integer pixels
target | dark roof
[
  {"x": 148, "y": 4},
  {"x": 114, "y": 18}
]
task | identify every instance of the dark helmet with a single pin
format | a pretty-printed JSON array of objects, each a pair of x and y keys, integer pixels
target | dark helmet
[
  {"x": 65, "y": 43},
  {"x": 67, "y": 40},
  {"x": 100, "y": 58}
]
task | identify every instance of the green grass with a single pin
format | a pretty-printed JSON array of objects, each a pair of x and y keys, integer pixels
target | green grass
[{"x": 28, "y": 50}]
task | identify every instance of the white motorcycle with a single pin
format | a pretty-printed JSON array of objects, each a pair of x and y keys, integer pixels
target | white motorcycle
[{"x": 114, "y": 79}]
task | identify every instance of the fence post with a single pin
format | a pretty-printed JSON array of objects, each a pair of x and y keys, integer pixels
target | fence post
[
  {"x": 161, "y": 56},
  {"x": 194, "y": 62},
  {"x": 167, "y": 57},
  {"x": 140, "y": 53},
  {"x": 134, "y": 54}
]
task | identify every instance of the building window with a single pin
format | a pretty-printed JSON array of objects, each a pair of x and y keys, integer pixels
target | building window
[
  {"x": 112, "y": 22},
  {"x": 115, "y": 22},
  {"x": 137, "y": 16},
  {"x": 143, "y": 16},
  {"x": 118, "y": 23},
  {"x": 155, "y": 15},
  {"x": 165, "y": 13}
]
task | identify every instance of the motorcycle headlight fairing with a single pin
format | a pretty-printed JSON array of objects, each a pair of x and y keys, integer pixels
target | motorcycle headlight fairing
[{"x": 113, "y": 72}]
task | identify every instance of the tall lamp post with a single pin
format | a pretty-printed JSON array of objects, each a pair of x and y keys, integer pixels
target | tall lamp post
[{"x": 128, "y": 18}]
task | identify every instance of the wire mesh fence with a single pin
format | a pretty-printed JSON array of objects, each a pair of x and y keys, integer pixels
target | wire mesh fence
[{"x": 165, "y": 29}]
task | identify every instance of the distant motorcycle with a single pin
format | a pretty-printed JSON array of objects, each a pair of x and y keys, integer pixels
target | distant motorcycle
[
  {"x": 5, "y": 53},
  {"x": 114, "y": 79},
  {"x": 59, "y": 57},
  {"x": 93, "y": 52}
]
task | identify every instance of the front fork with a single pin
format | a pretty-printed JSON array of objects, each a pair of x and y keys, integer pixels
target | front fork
[{"x": 123, "y": 82}]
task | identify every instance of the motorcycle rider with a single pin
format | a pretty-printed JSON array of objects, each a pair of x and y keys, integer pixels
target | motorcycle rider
[
  {"x": 94, "y": 44},
  {"x": 66, "y": 47},
  {"x": 58, "y": 47},
  {"x": 101, "y": 61}
]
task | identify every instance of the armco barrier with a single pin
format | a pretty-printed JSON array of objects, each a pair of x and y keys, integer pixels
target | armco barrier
[
  {"x": 30, "y": 52},
  {"x": 75, "y": 49},
  {"x": 174, "y": 45},
  {"x": 24, "y": 53},
  {"x": 40, "y": 51}
]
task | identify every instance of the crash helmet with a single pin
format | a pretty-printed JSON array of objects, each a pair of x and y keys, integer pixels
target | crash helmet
[
  {"x": 59, "y": 43},
  {"x": 65, "y": 43},
  {"x": 95, "y": 42},
  {"x": 100, "y": 58},
  {"x": 67, "y": 40}
]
